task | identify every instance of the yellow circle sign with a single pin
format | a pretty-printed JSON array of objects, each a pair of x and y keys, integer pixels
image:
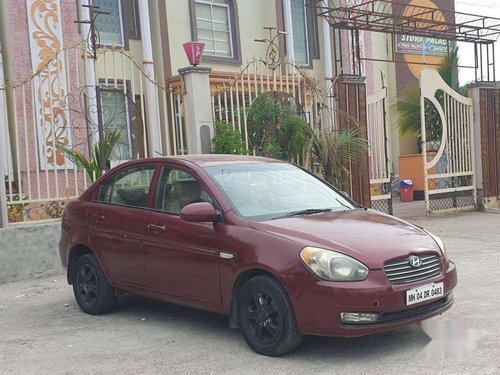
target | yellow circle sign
[{"x": 417, "y": 61}]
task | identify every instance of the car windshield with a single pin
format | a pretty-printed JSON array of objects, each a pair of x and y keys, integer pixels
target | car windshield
[{"x": 267, "y": 191}]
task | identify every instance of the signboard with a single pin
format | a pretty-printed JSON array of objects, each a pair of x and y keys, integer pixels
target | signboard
[{"x": 418, "y": 45}]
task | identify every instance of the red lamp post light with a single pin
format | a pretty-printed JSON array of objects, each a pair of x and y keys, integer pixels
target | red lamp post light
[{"x": 194, "y": 52}]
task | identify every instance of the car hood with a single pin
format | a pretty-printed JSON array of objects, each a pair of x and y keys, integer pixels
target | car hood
[{"x": 369, "y": 236}]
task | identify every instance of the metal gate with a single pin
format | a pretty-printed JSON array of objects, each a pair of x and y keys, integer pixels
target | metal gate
[
  {"x": 447, "y": 146},
  {"x": 380, "y": 175}
]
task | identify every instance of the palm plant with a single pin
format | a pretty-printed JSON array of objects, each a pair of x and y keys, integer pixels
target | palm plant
[
  {"x": 333, "y": 150},
  {"x": 95, "y": 164}
]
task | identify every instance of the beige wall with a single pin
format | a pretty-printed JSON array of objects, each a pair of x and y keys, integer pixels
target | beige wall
[
  {"x": 398, "y": 145},
  {"x": 106, "y": 67},
  {"x": 252, "y": 15}
]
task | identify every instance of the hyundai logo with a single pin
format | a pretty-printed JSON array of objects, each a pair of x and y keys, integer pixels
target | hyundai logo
[{"x": 414, "y": 261}]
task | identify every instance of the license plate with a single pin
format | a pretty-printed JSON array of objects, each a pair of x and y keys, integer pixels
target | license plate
[{"x": 424, "y": 293}]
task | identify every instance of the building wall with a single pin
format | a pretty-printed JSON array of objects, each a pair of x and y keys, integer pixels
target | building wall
[
  {"x": 252, "y": 16},
  {"x": 27, "y": 50}
]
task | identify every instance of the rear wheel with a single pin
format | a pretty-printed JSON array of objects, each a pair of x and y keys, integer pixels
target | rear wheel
[
  {"x": 266, "y": 317},
  {"x": 92, "y": 291}
]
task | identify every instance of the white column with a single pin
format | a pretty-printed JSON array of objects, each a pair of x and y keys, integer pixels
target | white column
[
  {"x": 328, "y": 61},
  {"x": 4, "y": 149},
  {"x": 287, "y": 10},
  {"x": 90, "y": 74},
  {"x": 152, "y": 109},
  {"x": 327, "y": 44},
  {"x": 198, "y": 109}
]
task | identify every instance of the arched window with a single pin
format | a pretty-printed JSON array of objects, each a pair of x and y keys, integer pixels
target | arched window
[{"x": 215, "y": 23}]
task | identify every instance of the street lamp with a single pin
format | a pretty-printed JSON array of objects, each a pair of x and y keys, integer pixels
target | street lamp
[{"x": 194, "y": 52}]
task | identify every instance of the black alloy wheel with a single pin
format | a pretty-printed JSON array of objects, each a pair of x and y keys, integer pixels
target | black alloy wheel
[
  {"x": 266, "y": 317},
  {"x": 86, "y": 284},
  {"x": 92, "y": 291},
  {"x": 263, "y": 317}
]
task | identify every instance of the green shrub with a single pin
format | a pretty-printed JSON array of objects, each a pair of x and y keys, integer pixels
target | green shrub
[
  {"x": 277, "y": 129},
  {"x": 227, "y": 140}
]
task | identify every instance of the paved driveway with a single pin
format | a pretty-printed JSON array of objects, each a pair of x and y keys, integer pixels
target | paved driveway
[{"x": 43, "y": 332}]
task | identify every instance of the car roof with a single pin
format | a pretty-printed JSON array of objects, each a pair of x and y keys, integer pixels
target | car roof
[{"x": 206, "y": 160}]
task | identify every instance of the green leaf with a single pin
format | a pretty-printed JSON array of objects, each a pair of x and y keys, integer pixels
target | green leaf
[{"x": 92, "y": 164}]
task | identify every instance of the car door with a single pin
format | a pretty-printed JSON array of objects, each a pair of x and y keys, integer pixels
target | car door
[
  {"x": 116, "y": 221},
  {"x": 182, "y": 258}
]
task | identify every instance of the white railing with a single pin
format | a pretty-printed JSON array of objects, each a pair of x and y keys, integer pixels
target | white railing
[
  {"x": 56, "y": 108},
  {"x": 232, "y": 97},
  {"x": 378, "y": 151}
]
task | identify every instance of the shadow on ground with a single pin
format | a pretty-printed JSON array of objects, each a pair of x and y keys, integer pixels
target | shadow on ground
[{"x": 211, "y": 326}]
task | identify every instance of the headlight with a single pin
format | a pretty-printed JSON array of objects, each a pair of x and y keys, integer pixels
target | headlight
[
  {"x": 332, "y": 266},
  {"x": 439, "y": 242}
]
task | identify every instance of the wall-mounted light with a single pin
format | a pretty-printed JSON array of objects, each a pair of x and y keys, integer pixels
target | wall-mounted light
[{"x": 194, "y": 52}]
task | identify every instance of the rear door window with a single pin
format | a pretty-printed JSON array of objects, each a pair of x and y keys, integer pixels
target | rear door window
[{"x": 128, "y": 188}]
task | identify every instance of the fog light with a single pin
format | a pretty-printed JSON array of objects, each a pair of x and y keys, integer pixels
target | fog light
[{"x": 352, "y": 317}]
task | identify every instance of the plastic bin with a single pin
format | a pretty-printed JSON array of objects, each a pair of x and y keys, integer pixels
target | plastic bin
[{"x": 406, "y": 190}]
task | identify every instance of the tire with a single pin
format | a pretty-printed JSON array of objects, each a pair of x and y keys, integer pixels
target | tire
[
  {"x": 92, "y": 292},
  {"x": 266, "y": 317}
]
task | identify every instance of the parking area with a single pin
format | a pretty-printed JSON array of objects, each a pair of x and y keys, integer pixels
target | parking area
[{"x": 44, "y": 332}]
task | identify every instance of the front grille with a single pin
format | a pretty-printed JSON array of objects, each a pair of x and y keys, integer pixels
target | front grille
[{"x": 400, "y": 271}]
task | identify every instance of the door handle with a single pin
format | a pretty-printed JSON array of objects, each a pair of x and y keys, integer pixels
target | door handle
[
  {"x": 155, "y": 227},
  {"x": 97, "y": 217}
]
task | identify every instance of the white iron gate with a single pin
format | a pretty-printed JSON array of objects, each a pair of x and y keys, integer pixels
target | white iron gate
[
  {"x": 447, "y": 146},
  {"x": 380, "y": 175}
]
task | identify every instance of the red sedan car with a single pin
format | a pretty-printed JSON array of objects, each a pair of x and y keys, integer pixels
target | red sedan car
[{"x": 267, "y": 243}]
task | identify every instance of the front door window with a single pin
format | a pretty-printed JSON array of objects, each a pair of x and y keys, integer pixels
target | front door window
[{"x": 178, "y": 189}]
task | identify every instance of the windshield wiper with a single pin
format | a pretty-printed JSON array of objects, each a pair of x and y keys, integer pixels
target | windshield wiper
[
  {"x": 308, "y": 211},
  {"x": 342, "y": 204}
]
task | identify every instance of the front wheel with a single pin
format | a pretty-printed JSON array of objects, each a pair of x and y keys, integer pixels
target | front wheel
[
  {"x": 266, "y": 317},
  {"x": 92, "y": 291}
]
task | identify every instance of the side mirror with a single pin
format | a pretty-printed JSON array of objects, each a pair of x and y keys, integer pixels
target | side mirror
[{"x": 201, "y": 212}]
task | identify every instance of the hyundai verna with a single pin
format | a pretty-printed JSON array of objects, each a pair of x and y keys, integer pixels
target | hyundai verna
[{"x": 274, "y": 247}]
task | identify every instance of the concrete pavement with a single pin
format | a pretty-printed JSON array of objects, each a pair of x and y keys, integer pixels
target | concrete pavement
[{"x": 44, "y": 332}]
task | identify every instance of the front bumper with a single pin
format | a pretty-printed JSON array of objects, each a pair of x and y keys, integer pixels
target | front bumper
[{"x": 318, "y": 303}]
